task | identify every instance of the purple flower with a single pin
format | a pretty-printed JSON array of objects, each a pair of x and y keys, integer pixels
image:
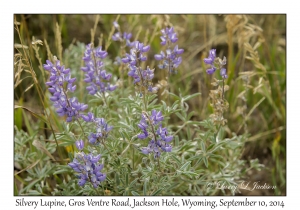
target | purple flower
[
  {"x": 88, "y": 118},
  {"x": 168, "y": 35},
  {"x": 160, "y": 56},
  {"x": 148, "y": 74},
  {"x": 145, "y": 150},
  {"x": 95, "y": 74},
  {"x": 151, "y": 127},
  {"x": 60, "y": 83},
  {"x": 79, "y": 144},
  {"x": 211, "y": 70},
  {"x": 209, "y": 60},
  {"x": 118, "y": 36},
  {"x": 171, "y": 60},
  {"x": 223, "y": 73},
  {"x": 88, "y": 169},
  {"x": 116, "y": 25},
  {"x": 156, "y": 117},
  {"x": 101, "y": 128},
  {"x": 134, "y": 59},
  {"x": 215, "y": 63}
]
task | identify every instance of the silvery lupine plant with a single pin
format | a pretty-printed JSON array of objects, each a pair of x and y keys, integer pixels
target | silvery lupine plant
[
  {"x": 95, "y": 74},
  {"x": 148, "y": 121},
  {"x": 87, "y": 167},
  {"x": 152, "y": 128},
  {"x": 60, "y": 83},
  {"x": 170, "y": 59}
]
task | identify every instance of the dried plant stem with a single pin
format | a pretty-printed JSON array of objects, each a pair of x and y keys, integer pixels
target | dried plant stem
[
  {"x": 39, "y": 91},
  {"x": 133, "y": 158},
  {"x": 223, "y": 89}
]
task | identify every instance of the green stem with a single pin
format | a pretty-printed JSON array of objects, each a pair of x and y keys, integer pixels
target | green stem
[
  {"x": 80, "y": 126},
  {"x": 145, "y": 102},
  {"x": 133, "y": 159},
  {"x": 223, "y": 90},
  {"x": 108, "y": 149}
]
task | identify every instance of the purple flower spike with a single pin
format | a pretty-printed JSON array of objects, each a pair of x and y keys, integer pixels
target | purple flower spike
[
  {"x": 159, "y": 139},
  {"x": 88, "y": 169},
  {"x": 79, "y": 144},
  {"x": 133, "y": 60},
  {"x": 95, "y": 74},
  {"x": 59, "y": 85},
  {"x": 118, "y": 36},
  {"x": 101, "y": 128},
  {"x": 172, "y": 59}
]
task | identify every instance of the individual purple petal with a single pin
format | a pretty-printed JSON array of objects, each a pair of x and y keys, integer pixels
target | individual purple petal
[
  {"x": 209, "y": 60},
  {"x": 95, "y": 159},
  {"x": 101, "y": 177},
  {"x": 125, "y": 60},
  {"x": 178, "y": 51},
  {"x": 156, "y": 116},
  {"x": 212, "y": 53},
  {"x": 54, "y": 98},
  {"x": 145, "y": 49},
  {"x": 168, "y": 138},
  {"x": 145, "y": 150},
  {"x": 143, "y": 58},
  {"x": 116, "y": 25},
  {"x": 168, "y": 148},
  {"x": 142, "y": 136},
  {"x": 83, "y": 107},
  {"x": 66, "y": 71},
  {"x": 79, "y": 144},
  {"x": 211, "y": 70},
  {"x": 163, "y": 41},
  {"x": 47, "y": 66},
  {"x": 223, "y": 73},
  {"x": 158, "y": 57},
  {"x": 111, "y": 87},
  {"x": 173, "y": 38}
]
